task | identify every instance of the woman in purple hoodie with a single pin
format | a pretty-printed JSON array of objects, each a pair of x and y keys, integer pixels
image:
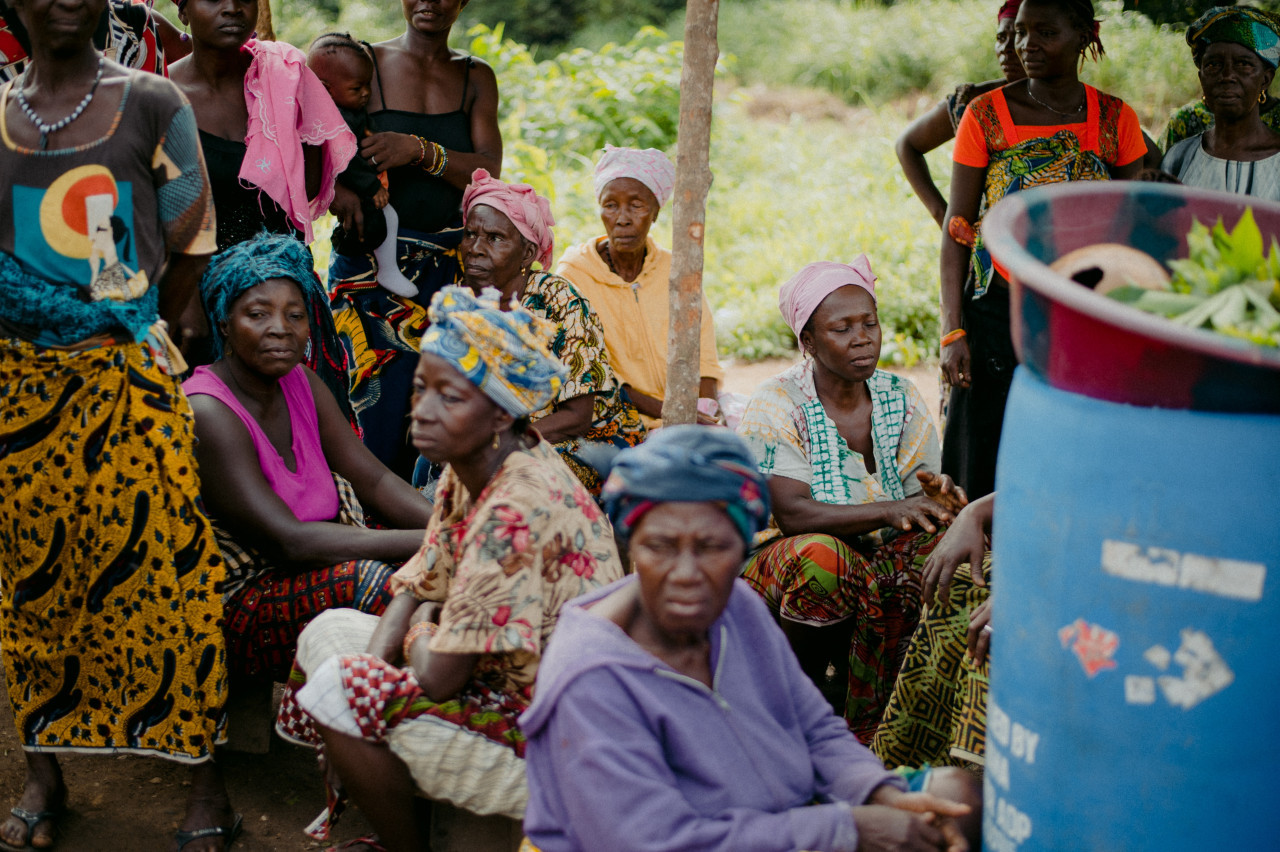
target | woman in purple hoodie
[{"x": 670, "y": 712}]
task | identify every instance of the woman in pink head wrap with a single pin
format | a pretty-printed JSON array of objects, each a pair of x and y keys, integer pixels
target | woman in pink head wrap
[
  {"x": 938, "y": 126},
  {"x": 506, "y": 232},
  {"x": 851, "y": 454},
  {"x": 625, "y": 276}
]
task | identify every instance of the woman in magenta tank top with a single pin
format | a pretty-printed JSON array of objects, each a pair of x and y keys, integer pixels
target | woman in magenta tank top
[{"x": 271, "y": 439}]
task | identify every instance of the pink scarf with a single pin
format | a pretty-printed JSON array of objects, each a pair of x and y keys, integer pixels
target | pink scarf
[
  {"x": 528, "y": 211},
  {"x": 649, "y": 166},
  {"x": 800, "y": 296},
  {"x": 288, "y": 108}
]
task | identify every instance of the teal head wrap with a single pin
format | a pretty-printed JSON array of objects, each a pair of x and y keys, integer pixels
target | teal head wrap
[{"x": 1257, "y": 30}]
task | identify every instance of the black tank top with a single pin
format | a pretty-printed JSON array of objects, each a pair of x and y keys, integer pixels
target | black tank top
[
  {"x": 241, "y": 211},
  {"x": 426, "y": 203}
]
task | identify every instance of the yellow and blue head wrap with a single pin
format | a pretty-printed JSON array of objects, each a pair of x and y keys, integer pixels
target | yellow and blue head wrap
[
  {"x": 504, "y": 353},
  {"x": 1255, "y": 29}
]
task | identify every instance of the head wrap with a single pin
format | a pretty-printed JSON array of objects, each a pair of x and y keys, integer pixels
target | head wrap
[
  {"x": 800, "y": 296},
  {"x": 687, "y": 464},
  {"x": 1008, "y": 10},
  {"x": 528, "y": 211},
  {"x": 649, "y": 166},
  {"x": 1257, "y": 30},
  {"x": 504, "y": 353},
  {"x": 237, "y": 269}
]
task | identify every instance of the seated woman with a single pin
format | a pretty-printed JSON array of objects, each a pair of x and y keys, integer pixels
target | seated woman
[
  {"x": 1236, "y": 50},
  {"x": 271, "y": 438},
  {"x": 937, "y": 714},
  {"x": 452, "y": 661},
  {"x": 506, "y": 229},
  {"x": 641, "y": 677},
  {"x": 625, "y": 276},
  {"x": 851, "y": 454}
]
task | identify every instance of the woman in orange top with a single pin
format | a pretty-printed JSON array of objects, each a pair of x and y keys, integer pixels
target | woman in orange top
[{"x": 1047, "y": 128}]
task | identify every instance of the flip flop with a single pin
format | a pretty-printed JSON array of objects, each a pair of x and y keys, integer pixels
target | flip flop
[
  {"x": 32, "y": 819},
  {"x": 230, "y": 834}
]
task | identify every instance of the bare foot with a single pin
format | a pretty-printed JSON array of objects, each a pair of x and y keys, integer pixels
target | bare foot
[
  {"x": 43, "y": 791},
  {"x": 208, "y": 806}
]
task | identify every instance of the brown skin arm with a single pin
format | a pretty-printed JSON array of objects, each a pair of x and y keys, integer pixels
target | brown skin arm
[
  {"x": 571, "y": 419},
  {"x": 929, "y": 131},
  {"x": 441, "y": 676},
  {"x": 387, "y": 641},
  {"x": 1131, "y": 171},
  {"x": 651, "y": 406},
  {"x": 236, "y": 492},
  {"x": 180, "y": 304},
  {"x": 967, "y": 184},
  {"x": 394, "y": 500},
  {"x": 965, "y": 542},
  {"x": 797, "y": 512}
]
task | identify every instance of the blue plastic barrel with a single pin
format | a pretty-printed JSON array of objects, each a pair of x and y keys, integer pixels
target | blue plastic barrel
[{"x": 1135, "y": 682}]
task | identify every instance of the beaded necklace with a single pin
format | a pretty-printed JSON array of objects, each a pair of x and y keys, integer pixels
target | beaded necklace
[{"x": 41, "y": 125}]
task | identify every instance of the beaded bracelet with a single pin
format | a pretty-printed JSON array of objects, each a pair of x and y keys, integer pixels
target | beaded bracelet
[
  {"x": 422, "y": 155},
  {"x": 416, "y": 632},
  {"x": 440, "y": 162},
  {"x": 952, "y": 336}
]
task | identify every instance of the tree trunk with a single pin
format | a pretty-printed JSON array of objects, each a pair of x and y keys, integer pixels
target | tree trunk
[
  {"x": 266, "y": 30},
  {"x": 693, "y": 180}
]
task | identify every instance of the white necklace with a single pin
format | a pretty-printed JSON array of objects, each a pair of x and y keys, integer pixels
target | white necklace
[
  {"x": 1051, "y": 109},
  {"x": 44, "y": 127}
]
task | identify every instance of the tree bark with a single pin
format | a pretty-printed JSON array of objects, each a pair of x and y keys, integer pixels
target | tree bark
[
  {"x": 266, "y": 29},
  {"x": 693, "y": 181}
]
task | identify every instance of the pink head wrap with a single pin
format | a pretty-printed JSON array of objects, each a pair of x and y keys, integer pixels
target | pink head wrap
[
  {"x": 649, "y": 166},
  {"x": 800, "y": 296},
  {"x": 528, "y": 211}
]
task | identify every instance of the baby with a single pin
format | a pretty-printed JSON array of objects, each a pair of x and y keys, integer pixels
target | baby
[{"x": 345, "y": 66}]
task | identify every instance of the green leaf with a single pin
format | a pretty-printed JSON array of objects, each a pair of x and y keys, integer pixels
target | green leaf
[{"x": 1245, "y": 252}]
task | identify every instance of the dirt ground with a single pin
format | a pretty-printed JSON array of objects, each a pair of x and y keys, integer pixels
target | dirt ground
[{"x": 133, "y": 804}]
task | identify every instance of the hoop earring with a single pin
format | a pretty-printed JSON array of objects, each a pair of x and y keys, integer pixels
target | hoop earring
[{"x": 1262, "y": 97}]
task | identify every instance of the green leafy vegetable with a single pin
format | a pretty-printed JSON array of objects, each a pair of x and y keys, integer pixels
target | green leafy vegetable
[{"x": 1227, "y": 284}]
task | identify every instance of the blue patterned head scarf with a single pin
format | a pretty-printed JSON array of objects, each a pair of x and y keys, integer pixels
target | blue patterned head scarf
[
  {"x": 687, "y": 464},
  {"x": 1257, "y": 30},
  {"x": 237, "y": 269},
  {"x": 506, "y": 354}
]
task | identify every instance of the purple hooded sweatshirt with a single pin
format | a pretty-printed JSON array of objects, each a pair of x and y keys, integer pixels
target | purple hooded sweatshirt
[{"x": 625, "y": 753}]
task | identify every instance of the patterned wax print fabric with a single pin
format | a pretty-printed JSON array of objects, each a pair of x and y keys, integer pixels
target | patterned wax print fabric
[
  {"x": 1018, "y": 157},
  {"x": 791, "y": 435},
  {"x": 1194, "y": 118},
  {"x": 126, "y": 33},
  {"x": 937, "y": 714},
  {"x": 503, "y": 564},
  {"x": 579, "y": 344},
  {"x": 111, "y": 618},
  {"x": 90, "y": 227},
  {"x": 1190, "y": 163},
  {"x": 821, "y": 581},
  {"x": 1253, "y": 28},
  {"x": 267, "y": 607},
  {"x": 382, "y": 334}
]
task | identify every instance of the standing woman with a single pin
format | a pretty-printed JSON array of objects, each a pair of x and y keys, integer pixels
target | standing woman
[
  {"x": 435, "y": 113},
  {"x": 938, "y": 126},
  {"x": 103, "y": 542},
  {"x": 1048, "y": 128},
  {"x": 273, "y": 138}
]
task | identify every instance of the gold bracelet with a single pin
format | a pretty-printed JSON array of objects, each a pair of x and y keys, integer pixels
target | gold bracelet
[
  {"x": 952, "y": 336},
  {"x": 440, "y": 162},
  {"x": 416, "y": 632}
]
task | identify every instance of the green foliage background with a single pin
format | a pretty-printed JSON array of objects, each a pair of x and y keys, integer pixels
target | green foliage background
[{"x": 810, "y": 97}]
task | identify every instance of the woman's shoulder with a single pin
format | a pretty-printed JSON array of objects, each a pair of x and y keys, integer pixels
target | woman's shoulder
[
  {"x": 150, "y": 91},
  {"x": 1181, "y": 153}
]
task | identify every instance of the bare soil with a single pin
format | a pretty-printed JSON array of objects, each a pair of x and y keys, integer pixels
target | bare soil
[{"x": 134, "y": 804}]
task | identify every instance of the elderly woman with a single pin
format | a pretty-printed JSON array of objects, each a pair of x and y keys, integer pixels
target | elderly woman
[
  {"x": 434, "y": 125},
  {"x": 1048, "y": 128},
  {"x": 104, "y": 544},
  {"x": 1236, "y": 49},
  {"x": 506, "y": 230},
  {"x": 625, "y": 276},
  {"x": 851, "y": 455},
  {"x": 271, "y": 438},
  {"x": 670, "y": 713},
  {"x": 513, "y": 537},
  {"x": 938, "y": 126}
]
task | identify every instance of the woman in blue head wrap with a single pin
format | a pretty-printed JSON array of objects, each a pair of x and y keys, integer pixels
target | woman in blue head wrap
[
  {"x": 1236, "y": 49},
  {"x": 513, "y": 536},
  {"x": 272, "y": 436},
  {"x": 671, "y": 712}
]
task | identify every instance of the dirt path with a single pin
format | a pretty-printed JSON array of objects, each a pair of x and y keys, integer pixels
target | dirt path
[{"x": 133, "y": 804}]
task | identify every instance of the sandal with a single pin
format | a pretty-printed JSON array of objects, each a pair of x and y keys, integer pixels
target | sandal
[
  {"x": 230, "y": 834},
  {"x": 32, "y": 819}
]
